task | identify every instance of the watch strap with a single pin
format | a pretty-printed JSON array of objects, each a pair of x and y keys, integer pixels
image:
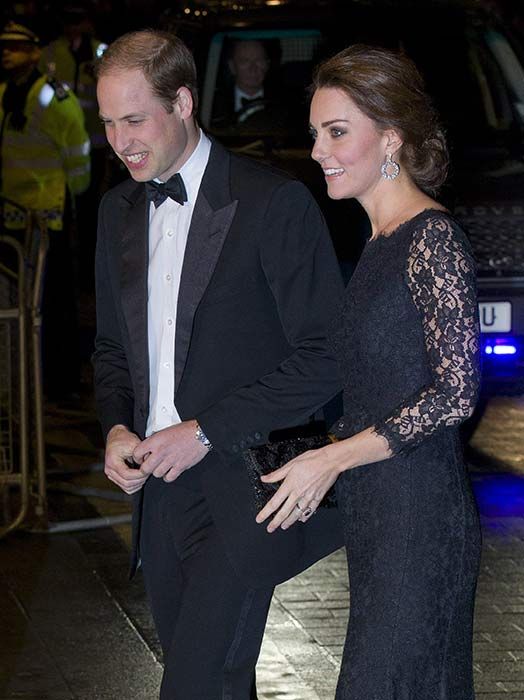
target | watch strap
[{"x": 201, "y": 437}]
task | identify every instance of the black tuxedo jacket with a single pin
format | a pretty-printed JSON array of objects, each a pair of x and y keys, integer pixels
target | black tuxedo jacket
[{"x": 259, "y": 285}]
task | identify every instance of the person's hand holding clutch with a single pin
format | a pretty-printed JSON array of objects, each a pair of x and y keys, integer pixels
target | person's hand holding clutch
[
  {"x": 305, "y": 481},
  {"x": 307, "y": 478}
]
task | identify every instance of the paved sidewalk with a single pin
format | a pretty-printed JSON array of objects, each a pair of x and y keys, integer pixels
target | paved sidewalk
[{"x": 64, "y": 635}]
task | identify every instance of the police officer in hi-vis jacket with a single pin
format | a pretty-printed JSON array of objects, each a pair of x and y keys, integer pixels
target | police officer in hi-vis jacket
[{"x": 44, "y": 154}]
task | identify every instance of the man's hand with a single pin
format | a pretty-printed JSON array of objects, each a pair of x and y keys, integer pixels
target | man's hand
[
  {"x": 119, "y": 447},
  {"x": 169, "y": 452}
]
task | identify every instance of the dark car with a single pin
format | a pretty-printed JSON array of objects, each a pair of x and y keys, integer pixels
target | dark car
[{"x": 473, "y": 68}]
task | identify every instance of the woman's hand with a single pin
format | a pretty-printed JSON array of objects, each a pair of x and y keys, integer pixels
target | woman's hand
[
  {"x": 305, "y": 481},
  {"x": 307, "y": 478}
]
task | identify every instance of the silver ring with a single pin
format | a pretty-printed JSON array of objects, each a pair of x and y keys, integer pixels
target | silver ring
[{"x": 307, "y": 512}]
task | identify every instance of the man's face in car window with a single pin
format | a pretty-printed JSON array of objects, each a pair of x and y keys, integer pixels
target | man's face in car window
[{"x": 249, "y": 64}]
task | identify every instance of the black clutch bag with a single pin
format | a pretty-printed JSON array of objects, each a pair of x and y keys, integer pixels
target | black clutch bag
[{"x": 266, "y": 458}]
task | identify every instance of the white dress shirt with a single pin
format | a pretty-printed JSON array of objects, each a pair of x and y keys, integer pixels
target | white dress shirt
[{"x": 168, "y": 230}]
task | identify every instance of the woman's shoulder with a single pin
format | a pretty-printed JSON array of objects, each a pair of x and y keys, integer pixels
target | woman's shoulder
[
  {"x": 437, "y": 227},
  {"x": 433, "y": 219},
  {"x": 439, "y": 242}
]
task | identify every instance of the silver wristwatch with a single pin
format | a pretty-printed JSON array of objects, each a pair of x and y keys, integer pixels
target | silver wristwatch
[{"x": 201, "y": 437}]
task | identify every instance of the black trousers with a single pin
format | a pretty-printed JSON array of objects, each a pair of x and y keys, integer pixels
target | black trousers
[{"x": 209, "y": 622}]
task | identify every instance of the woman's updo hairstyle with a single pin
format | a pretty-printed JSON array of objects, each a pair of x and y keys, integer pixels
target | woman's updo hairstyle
[{"x": 387, "y": 87}]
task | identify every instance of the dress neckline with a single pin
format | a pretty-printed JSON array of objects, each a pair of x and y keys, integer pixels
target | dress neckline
[{"x": 402, "y": 224}]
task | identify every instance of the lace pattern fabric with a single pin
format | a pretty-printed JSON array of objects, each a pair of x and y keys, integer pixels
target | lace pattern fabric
[
  {"x": 406, "y": 338},
  {"x": 441, "y": 278}
]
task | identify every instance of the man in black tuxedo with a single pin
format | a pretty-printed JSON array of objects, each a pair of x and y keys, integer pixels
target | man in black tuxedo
[
  {"x": 249, "y": 64},
  {"x": 213, "y": 295},
  {"x": 248, "y": 101}
]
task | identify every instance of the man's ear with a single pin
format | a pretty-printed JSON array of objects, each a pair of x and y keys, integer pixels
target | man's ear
[{"x": 184, "y": 103}]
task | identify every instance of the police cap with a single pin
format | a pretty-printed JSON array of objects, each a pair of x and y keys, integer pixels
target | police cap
[{"x": 17, "y": 32}]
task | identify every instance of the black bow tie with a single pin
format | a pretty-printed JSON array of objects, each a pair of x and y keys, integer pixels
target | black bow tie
[
  {"x": 248, "y": 101},
  {"x": 158, "y": 192}
]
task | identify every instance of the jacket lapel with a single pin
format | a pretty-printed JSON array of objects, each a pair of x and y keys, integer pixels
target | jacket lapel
[
  {"x": 133, "y": 284},
  {"x": 210, "y": 224}
]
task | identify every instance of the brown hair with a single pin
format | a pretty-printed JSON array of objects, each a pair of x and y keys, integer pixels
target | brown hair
[
  {"x": 387, "y": 87},
  {"x": 163, "y": 58}
]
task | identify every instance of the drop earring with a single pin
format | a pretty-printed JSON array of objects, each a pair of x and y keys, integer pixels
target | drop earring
[{"x": 390, "y": 168}]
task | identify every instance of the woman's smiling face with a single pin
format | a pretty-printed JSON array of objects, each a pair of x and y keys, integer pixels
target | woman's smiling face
[{"x": 348, "y": 145}]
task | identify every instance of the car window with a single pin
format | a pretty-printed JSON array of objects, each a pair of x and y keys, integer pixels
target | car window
[
  {"x": 282, "y": 104},
  {"x": 464, "y": 79},
  {"x": 511, "y": 68}
]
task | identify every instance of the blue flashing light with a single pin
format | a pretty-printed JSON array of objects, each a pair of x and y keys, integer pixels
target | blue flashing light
[
  {"x": 505, "y": 350},
  {"x": 502, "y": 347}
]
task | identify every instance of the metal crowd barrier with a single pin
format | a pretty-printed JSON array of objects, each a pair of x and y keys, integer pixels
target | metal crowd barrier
[
  {"x": 23, "y": 480},
  {"x": 22, "y": 458}
]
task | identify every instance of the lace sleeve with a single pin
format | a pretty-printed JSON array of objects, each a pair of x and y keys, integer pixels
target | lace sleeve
[{"x": 442, "y": 281}]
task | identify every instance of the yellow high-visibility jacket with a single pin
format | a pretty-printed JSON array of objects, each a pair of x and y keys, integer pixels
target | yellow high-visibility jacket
[
  {"x": 58, "y": 61},
  {"x": 50, "y": 153}
]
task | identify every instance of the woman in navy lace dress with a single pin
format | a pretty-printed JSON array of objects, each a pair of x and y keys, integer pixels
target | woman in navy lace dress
[{"x": 407, "y": 340}]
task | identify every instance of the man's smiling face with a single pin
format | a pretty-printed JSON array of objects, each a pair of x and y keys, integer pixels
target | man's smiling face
[{"x": 152, "y": 142}]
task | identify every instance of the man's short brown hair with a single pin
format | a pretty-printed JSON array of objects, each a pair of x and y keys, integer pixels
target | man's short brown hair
[{"x": 163, "y": 58}]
